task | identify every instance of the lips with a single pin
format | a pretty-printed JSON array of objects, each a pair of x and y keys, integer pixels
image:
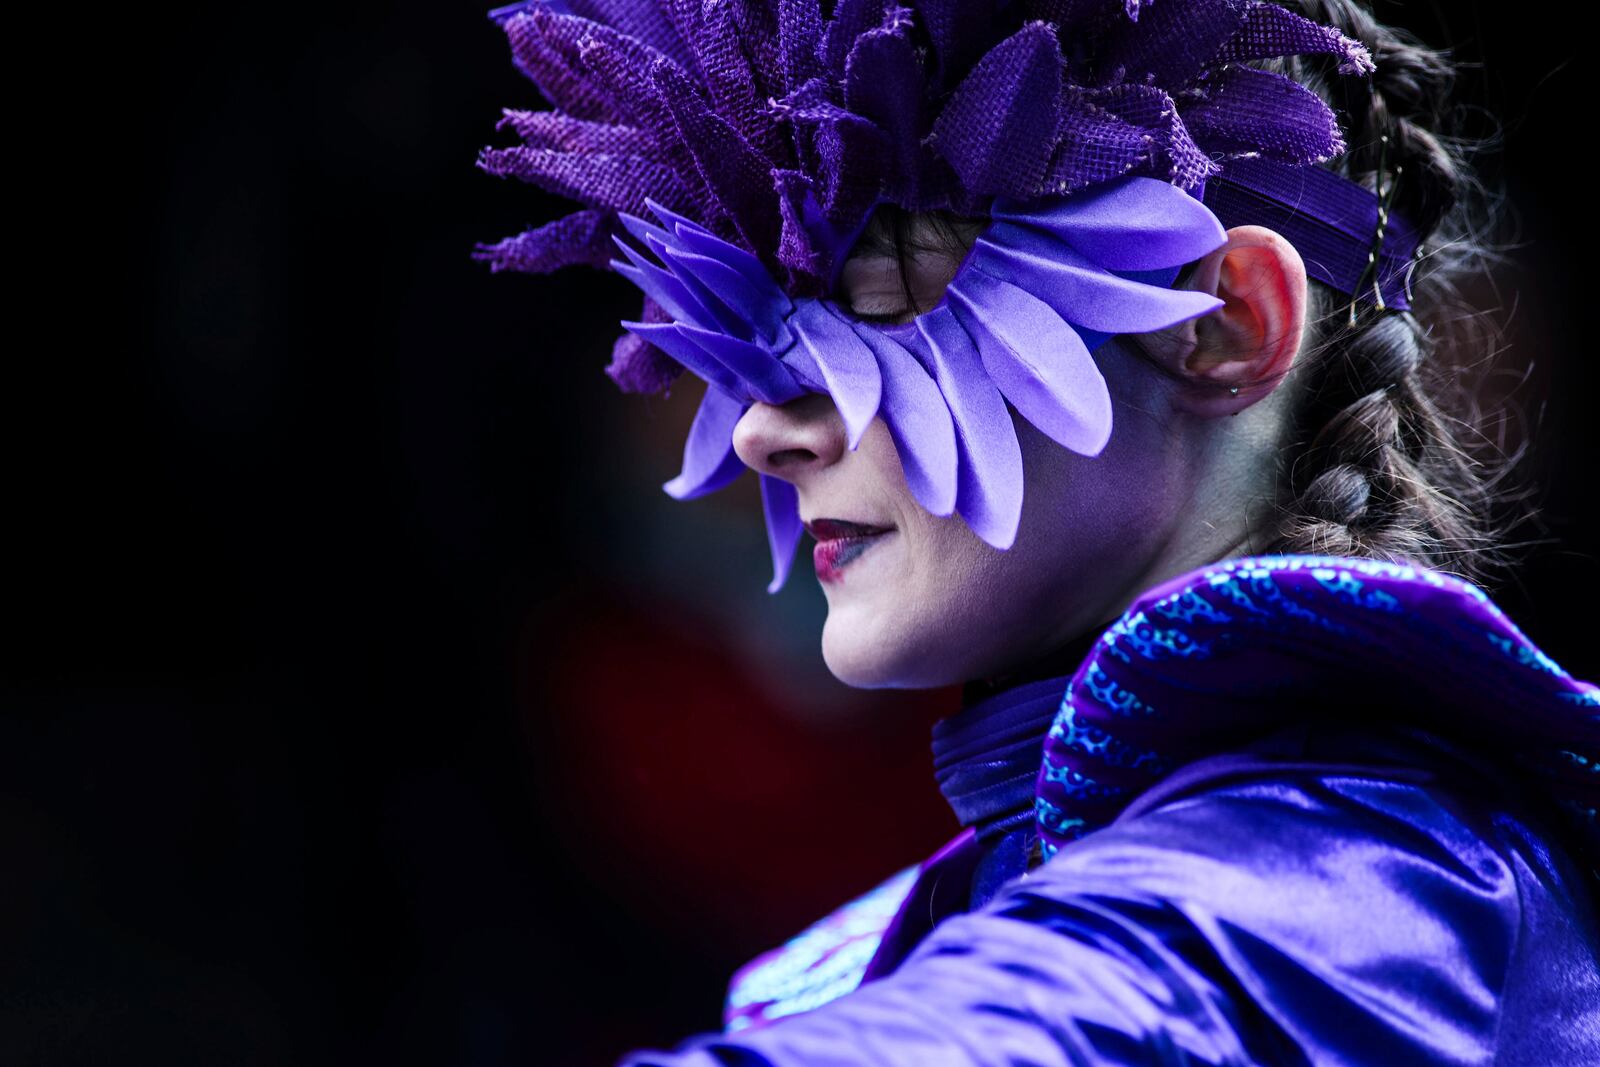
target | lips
[
  {"x": 832, "y": 529},
  {"x": 840, "y": 542}
]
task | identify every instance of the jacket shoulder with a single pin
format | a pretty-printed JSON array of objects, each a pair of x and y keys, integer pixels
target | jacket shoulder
[{"x": 1364, "y": 913}]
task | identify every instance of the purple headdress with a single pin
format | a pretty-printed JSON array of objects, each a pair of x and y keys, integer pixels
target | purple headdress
[{"x": 1109, "y": 141}]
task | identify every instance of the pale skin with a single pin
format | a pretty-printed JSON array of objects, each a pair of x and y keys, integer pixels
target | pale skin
[{"x": 1184, "y": 481}]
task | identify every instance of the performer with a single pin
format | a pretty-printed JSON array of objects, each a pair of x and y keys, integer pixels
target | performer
[{"x": 1093, "y": 342}]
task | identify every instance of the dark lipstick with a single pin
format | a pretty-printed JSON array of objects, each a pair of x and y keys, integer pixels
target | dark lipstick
[{"x": 840, "y": 541}]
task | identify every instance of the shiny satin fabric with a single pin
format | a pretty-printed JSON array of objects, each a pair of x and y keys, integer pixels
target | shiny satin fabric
[
  {"x": 1322, "y": 896},
  {"x": 1356, "y": 847}
]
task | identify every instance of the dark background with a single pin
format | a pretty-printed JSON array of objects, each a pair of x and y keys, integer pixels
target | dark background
[{"x": 365, "y": 699}]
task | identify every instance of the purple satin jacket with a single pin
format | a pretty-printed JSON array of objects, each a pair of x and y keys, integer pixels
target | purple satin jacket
[{"x": 1380, "y": 876}]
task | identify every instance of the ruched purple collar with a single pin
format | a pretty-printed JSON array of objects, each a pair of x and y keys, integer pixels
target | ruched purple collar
[{"x": 987, "y": 755}]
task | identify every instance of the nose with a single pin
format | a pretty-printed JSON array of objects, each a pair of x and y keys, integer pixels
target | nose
[{"x": 790, "y": 440}]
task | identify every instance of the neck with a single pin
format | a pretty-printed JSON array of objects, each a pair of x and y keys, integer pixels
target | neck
[{"x": 1060, "y": 661}]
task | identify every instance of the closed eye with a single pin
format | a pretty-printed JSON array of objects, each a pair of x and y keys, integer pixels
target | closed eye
[
  {"x": 906, "y": 266},
  {"x": 889, "y": 319}
]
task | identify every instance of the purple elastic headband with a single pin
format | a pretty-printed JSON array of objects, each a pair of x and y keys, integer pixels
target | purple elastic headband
[
  {"x": 1332, "y": 222},
  {"x": 762, "y": 134}
]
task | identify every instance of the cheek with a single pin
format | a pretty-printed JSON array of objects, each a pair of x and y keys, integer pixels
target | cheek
[
  {"x": 1092, "y": 525},
  {"x": 1138, "y": 473},
  {"x": 1086, "y": 502},
  {"x": 945, "y": 606}
]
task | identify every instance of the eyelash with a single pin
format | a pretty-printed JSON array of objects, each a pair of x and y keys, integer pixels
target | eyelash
[{"x": 883, "y": 318}]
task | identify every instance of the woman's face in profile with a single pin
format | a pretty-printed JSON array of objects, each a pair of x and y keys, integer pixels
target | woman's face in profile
[{"x": 917, "y": 600}]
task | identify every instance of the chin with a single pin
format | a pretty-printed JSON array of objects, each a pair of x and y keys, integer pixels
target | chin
[
  {"x": 857, "y": 651},
  {"x": 863, "y": 656},
  {"x": 850, "y": 657}
]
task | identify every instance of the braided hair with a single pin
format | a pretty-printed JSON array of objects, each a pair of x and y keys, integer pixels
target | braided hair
[{"x": 1385, "y": 453}]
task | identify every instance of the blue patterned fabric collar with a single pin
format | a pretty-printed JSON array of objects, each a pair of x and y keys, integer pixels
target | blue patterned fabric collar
[{"x": 1210, "y": 657}]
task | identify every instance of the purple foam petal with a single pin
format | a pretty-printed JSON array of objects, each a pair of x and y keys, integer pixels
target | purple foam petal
[
  {"x": 846, "y": 364},
  {"x": 664, "y": 288},
  {"x": 803, "y": 365},
  {"x": 1080, "y": 291},
  {"x": 655, "y": 288},
  {"x": 709, "y": 461},
  {"x": 781, "y": 505},
  {"x": 1130, "y": 224},
  {"x": 763, "y": 375},
  {"x": 1037, "y": 360},
  {"x": 989, "y": 475},
  {"x": 691, "y": 236},
  {"x": 761, "y": 307},
  {"x": 678, "y": 223},
  {"x": 722, "y": 317},
  {"x": 697, "y": 239},
  {"x": 640, "y": 228},
  {"x": 919, "y": 421},
  {"x": 668, "y": 337}
]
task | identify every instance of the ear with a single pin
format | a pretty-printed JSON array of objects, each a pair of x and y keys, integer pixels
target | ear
[{"x": 1250, "y": 342}]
